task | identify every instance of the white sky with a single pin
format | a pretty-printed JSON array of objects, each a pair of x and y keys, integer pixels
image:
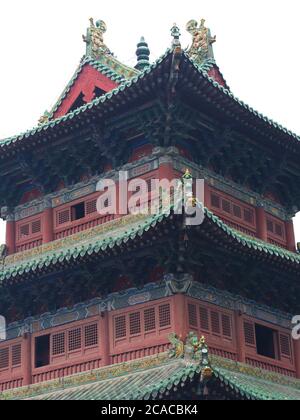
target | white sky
[{"x": 257, "y": 50}]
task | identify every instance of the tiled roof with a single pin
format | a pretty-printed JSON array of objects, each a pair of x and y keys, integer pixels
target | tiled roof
[
  {"x": 103, "y": 238},
  {"x": 158, "y": 376},
  {"x": 129, "y": 84}
]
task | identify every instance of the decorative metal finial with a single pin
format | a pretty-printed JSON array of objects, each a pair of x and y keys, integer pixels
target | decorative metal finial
[
  {"x": 143, "y": 54},
  {"x": 201, "y": 48},
  {"x": 94, "y": 39},
  {"x": 175, "y": 32}
]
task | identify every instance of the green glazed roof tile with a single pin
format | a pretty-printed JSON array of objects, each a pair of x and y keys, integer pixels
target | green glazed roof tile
[
  {"x": 156, "y": 376},
  {"x": 119, "y": 232}
]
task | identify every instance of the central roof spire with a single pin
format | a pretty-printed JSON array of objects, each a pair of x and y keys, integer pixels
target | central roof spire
[{"x": 94, "y": 39}]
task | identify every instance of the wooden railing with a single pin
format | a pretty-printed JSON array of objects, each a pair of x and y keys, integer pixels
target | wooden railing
[
  {"x": 138, "y": 354},
  {"x": 55, "y": 373},
  {"x": 224, "y": 353},
  {"x": 271, "y": 367},
  {"x": 238, "y": 227},
  {"x": 84, "y": 225},
  {"x": 14, "y": 383},
  {"x": 29, "y": 245},
  {"x": 276, "y": 243}
]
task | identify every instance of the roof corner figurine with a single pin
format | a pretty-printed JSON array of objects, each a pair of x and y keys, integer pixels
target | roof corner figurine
[
  {"x": 94, "y": 39},
  {"x": 201, "y": 48}
]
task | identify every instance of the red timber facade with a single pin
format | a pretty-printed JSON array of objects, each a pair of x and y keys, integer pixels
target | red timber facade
[{"x": 80, "y": 290}]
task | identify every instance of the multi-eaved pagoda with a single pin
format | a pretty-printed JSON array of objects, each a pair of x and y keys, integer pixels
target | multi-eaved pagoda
[{"x": 92, "y": 302}]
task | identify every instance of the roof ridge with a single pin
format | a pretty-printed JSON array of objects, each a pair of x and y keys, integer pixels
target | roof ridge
[{"x": 89, "y": 105}]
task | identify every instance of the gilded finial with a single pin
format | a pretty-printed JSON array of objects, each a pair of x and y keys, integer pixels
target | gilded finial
[
  {"x": 94, "y": 39},
  {"x": 201, "y": 48}
]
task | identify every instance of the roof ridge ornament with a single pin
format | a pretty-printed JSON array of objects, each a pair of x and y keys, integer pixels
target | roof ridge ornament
[
  {"x": 201, "y": 48},
  {"x": 175, "y": 32},
  {"x": 143, "y": 54},
  {"x": 94, "y": 39}
]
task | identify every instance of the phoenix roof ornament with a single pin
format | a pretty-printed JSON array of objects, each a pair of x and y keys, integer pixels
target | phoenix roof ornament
[
  {"x": 201, "y": 48},
  {"x": 95, "y": 40}
]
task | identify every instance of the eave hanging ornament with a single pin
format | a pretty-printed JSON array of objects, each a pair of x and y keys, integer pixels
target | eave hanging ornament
[
  {"x": 94, "y": 39},
  {"x": 201, "y": 48}
]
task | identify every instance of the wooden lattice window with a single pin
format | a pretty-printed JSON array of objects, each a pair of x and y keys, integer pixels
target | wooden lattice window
[
  {"x": 91, "y": 207},
  {"x": 24, "y": 230},
  {"x": 192, "y": 311},
  {"x": 285, "y": 345},
  {"x": 215, "y": 323},
  {"x": 215, "y": 201},
  {"x": 249, "y": 216},
  {"x": 249, "y": 333},
  {"x": 210, "y": 321},
  {"x": 237, "y": 211},
  {"x": 36, "y": 227},
  {"x": 135, "y": 323},
  {"x": 58, "y": 344},
  {"x": 149, "y": 319},
  {"x": 4, "y": 358},
  {"x": 270, "y": 226},
  {"x": 275, "y": 228},
  {"x": 74, "y": 339},
  {"x": 91, "y": 335},
  {"x": 16, "y": 355},
  {"x": 204, "y": 319},
  {"x": 226, "y": 206},
  {"x": 278, "y": 230},
  {"x": 120, "y": 327},
  {"x": 231, "y": 207},
  {"x": 63, "y": 217},
  {"x": 164, "y": 315},
  {"x": 226, "y": 326}
]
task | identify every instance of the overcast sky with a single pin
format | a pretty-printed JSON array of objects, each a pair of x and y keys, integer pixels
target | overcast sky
[{"x": 41, "y": 45}]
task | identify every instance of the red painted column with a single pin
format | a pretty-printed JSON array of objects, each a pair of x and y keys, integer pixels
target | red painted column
[
  {"x": 240, "y": 339},
  {"x": 10, "y": 236},
  {"x": 180, "y": 316},
  {"x": 26, "y": 359},
  {"x": 290, "y": 235},
  {"x": 261, "y": 221},
  {"x": 48, "y": 225},
  {"x": 105, "y": 338},
  {"x": 297, "y": 356}
]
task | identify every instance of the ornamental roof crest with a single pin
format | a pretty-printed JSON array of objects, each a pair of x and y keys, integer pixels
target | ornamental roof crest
[
  {"x": 95, "y": 39},
  {"x": 201, "y": 48}
]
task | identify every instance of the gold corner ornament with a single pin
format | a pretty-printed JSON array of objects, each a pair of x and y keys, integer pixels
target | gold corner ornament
[
  {"x": 95, "y": 38},
  {"x": 201, "y": 47}
]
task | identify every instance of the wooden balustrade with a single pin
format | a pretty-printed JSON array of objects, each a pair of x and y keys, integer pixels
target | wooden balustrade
[{"x": 273, "y": 367}]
